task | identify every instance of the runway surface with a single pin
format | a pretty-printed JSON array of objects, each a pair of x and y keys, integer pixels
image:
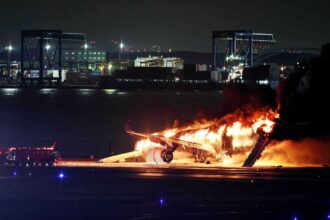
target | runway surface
[{"x": 140, "y": 191}]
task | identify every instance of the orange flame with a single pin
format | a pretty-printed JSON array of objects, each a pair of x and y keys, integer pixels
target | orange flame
[{"x": 235, "y": 132}]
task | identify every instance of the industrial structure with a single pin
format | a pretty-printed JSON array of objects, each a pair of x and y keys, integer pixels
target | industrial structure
[
  {"x": 239, "y": 43},
  {"x": 233, "y": 50},
  {"x": 41, "y": 55}
]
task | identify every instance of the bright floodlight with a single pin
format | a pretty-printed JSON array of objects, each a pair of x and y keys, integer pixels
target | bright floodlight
[
  {"x": 121, "y": 45},
  {"x": 9, "y": 48},
  {"x": 85, "y": 46},
  {"x": 48, "y": 47}
]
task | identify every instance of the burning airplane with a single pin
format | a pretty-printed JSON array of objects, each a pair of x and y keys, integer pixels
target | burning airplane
[{"x": 206, "y": 141}]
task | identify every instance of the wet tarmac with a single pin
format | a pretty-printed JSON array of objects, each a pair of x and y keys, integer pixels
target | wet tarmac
[{"x": 166, "y": 192}]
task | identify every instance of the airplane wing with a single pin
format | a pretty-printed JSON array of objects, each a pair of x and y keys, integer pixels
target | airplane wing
[
  {"x": 121, "y": 157},
  {"x": 166, "y": 140}
]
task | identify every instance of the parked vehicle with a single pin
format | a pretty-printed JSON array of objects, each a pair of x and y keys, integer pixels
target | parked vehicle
[{"x": 30, "y": 156}]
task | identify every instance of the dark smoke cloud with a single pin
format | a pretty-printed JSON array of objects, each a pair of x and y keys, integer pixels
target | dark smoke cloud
[
  {"x": 303, "y": 98},
  {"x": 247, "y": 98}
]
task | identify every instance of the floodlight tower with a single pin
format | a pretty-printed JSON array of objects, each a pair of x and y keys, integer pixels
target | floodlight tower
[
  {"x": 87, "y": 55},
  {"x": 8, "y": 48},
  {"x": 121, "y": 46}
]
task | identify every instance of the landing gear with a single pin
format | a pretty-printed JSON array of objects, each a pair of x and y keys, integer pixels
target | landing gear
[{"x": 200, "y": 156}]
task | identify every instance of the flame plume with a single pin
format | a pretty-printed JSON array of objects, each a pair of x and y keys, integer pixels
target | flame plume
[{"x": 222, "y": 137}]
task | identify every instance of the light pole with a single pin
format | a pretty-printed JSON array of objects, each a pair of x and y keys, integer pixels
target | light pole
[
  {"x": 48, "y": 61},
  {"x": 86, "y": 55},
  {"x": 9, "y": 48},
  {"x": 121, "y": 46}
]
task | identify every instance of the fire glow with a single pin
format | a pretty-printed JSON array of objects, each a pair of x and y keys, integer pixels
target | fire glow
[{"x": 220, "y": 137}]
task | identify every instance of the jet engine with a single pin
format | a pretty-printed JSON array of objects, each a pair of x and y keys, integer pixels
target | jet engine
[{"x": 159, "y": 156}]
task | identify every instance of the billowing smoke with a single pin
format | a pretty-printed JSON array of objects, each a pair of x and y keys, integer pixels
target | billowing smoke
[
  {"x": 304, "y": 152},
  {"x": 301, "y": 135},
  {"x": 240, "y": 97},
  {"x": 302, "y": 132},
  {"x": 303, "y": 98}
]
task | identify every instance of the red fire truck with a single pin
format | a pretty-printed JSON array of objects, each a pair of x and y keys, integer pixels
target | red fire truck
[{"x": 30, "y": 156}]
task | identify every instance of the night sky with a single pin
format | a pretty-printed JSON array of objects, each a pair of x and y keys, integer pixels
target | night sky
[{"x": 176, "y": 24}]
